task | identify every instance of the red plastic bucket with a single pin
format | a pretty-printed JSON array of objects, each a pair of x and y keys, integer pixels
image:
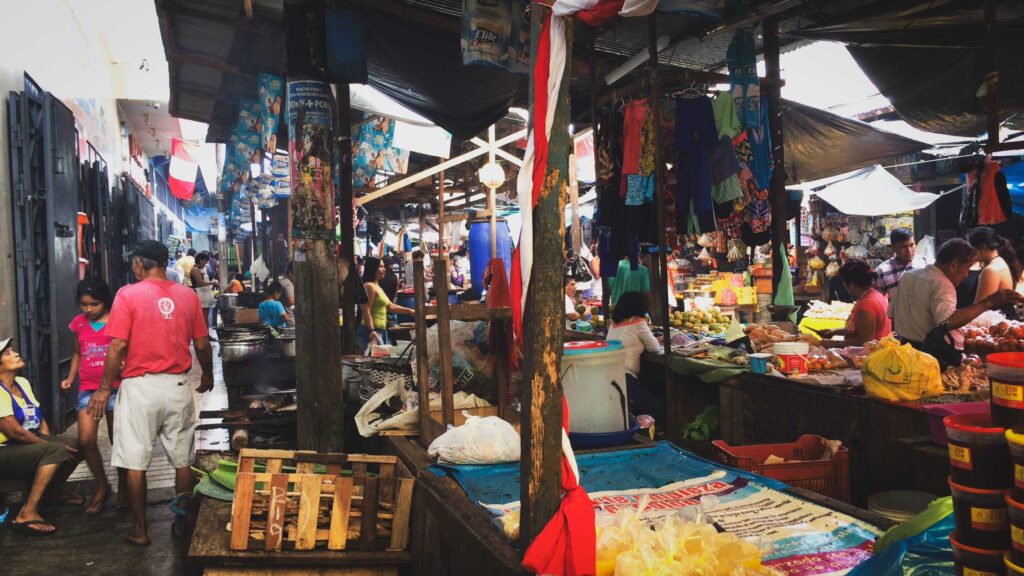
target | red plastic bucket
[
  {"x": 981, "y": 517},
  {"x": 976, "y": 561},
  {"x": 978, "y": 453},
  {"x": 1006, "y": 380}
]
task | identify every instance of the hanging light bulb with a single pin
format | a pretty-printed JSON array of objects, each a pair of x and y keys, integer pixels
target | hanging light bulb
[{"x": 491, "y": 175}]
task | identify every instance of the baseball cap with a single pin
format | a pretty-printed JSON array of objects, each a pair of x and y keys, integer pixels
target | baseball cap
[
  {"x": 5, "y": 344},
  {"x": 152, "y": 250}
]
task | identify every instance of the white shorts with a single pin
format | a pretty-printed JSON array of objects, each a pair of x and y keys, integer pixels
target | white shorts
[{"x": 150, "y": 407}]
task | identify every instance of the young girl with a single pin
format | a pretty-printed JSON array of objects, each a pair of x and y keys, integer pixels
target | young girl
[{"x": 91, "y": 343}]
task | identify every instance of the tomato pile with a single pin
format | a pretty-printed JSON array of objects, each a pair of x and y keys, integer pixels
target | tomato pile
[{"x": 1001, "y": 337}]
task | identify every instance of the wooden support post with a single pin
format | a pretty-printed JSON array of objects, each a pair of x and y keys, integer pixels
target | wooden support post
[
  {"x": 422, "y": 354},
  {"x": 605, "y": 282},
  {"x": 661, "y": 287},
  {"x": 440, "y": 217},
  {"x": 777, "y": 191},
  {"x": 343, "y": 143},
  {"x": 992, "y": 79},
  {"x": 318, "y": 383},
  {"x": 444, "y": 341},
  {"x": 544, "y": 317}
]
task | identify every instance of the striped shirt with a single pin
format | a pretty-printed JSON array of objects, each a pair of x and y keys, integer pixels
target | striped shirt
[{"x": 891, "y": 271}]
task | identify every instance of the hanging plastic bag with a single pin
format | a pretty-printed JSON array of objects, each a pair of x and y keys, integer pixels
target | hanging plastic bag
[
  {"x": 899, "y": 373},
  {"x": 830, "y": 250},
  {"x": 832, "y": 270},
  {"x": 926, "y": 249},
  {"x": 814, "y": 249},
  {"x": 736, "y": 251},
  {"x": 489, "y": 440},
  {"x": 705, "y": 240}
]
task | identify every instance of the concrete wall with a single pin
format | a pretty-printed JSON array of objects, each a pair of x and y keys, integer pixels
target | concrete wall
[{"x": 45, "y": 39}]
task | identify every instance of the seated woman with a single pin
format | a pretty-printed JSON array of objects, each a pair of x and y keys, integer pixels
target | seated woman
[
  {"x": 27, "y": 451},
  {"x": 869, "y": 319},
  {"x": 629, "y": 326}
]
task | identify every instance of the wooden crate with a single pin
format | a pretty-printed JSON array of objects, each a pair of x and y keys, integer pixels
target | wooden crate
[{"x": 295, "y": 500}]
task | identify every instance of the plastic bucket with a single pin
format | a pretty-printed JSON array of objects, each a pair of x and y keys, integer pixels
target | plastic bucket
[
  {"x": 981, "y": 518},
  {"x": 480, "y": 249},
  {"x": 594, "y": 382},
  {"x": 1006, "y": 380},
  {"x": 899, "y": 505},
  {"x": 1015, "y": 512},
  {"x": 759, "y": 363},
  {"x": 409, "y": 301},
  {"x": 1012, "y": 569},
  {"x": 978, "y": 455},
  {"x": 1015, "y": 441},
  {"x": 976, "y": 561},
  {"x": 793, "y": 356},
  {"x": 938, "y": 412}
]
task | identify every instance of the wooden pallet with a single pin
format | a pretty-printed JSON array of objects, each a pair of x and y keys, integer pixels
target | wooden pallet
[{"x": 295, "y": 500}]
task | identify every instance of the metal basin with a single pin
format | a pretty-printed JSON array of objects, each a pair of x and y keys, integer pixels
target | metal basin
[{"x": 239, "y": 351}]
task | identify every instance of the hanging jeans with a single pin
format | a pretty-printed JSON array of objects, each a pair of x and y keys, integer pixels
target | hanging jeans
[{"x": 695, "y": 136}]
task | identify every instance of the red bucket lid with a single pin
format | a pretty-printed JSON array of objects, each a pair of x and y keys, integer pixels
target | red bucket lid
[
  {"x": 586, "y": 345},
  {"x": 1011, "y": 502},
  {"x": 1006, "y": 359},
  {"x": 980, "y": 491},
  {"x": 973, "y": 423},
  {"x": 956, "y": 544}
]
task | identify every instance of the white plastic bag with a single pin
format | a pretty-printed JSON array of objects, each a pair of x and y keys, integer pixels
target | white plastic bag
[
  {"x": 926, "y": 249},
  {"x": 488, "y": 440}
]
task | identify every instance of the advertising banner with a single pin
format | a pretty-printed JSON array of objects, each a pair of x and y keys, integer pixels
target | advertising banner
[{"x": 310, "y": 123}]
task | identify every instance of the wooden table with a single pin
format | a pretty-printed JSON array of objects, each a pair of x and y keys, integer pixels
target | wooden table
[{"x": 888, "y": 442}]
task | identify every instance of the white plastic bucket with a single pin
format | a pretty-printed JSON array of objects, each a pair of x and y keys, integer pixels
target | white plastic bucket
[{"x": 594, "y": 383}]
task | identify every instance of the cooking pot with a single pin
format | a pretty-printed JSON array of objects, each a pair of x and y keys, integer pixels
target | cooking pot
[
  {"x": 287, "y": 345},
  {"x": 243, "y": 332},
  {"x": 239, "y": 351}
]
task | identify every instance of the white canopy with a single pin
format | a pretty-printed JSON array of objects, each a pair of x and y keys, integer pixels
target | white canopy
[{"x": 871, "y": 191}]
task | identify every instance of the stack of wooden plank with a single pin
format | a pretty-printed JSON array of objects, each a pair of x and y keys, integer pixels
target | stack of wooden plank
[{"x": 294, "y": 500}]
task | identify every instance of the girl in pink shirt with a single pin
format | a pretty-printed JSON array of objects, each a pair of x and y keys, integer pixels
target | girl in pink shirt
[{"x": 91, "y": 343}]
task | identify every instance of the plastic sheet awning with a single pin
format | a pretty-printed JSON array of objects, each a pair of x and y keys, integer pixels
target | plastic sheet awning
[
  {"x": 819, "y": 144},
  {"x": 871, "y": 191}
]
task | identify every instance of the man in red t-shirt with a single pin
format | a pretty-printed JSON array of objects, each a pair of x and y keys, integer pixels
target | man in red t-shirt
[{"x": 152, "y": 323}]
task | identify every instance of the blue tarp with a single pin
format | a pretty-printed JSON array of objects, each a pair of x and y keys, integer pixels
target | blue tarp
[
  {"x": 648, "y": 467},
  {"x": 1015, "y": 182},
  {"x": 926, "y": 554}
]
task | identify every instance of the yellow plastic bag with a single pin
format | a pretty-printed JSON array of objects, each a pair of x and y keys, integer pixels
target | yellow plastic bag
[{"x": 897, "y": 372}]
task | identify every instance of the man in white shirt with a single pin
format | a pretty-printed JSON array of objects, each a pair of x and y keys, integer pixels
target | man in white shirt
[{"x": 927, "y": 297}]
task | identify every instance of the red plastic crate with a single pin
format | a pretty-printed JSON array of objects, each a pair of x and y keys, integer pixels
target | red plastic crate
[{"x": 827, "y": 477}]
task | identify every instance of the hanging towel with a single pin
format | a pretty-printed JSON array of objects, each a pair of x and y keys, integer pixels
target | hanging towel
[
  {"x": 784, "y": 291},
  {"x": 741, "y": 57}
]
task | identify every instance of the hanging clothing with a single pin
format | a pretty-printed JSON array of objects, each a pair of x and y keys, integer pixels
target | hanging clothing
[
  {"x": 760, "y": 163},
  {"x": 994, "y": 206},
  {"x": 695, "y": 136},
  {"x": 632, "y": 140},
  {"x": 726, "y": 120},
  {"x": 741, "y": 57}
]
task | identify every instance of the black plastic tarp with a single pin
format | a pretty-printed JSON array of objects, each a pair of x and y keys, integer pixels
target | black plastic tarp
[
  {"x": 928, "y": 59},
  {"x": 935, "y": 89},
  {"x": 421, "y": 68},
  {"x": 819, "y": 144}
]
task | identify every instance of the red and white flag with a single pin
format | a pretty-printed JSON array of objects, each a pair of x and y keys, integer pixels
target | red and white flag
[{"x": 181, "y": 175}]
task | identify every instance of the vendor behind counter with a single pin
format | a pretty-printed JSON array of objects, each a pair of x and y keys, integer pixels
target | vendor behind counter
[{"x": 629, "y": 326}]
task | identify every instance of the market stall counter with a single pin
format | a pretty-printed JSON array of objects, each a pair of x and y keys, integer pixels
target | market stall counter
[
  {"x": 762, "y": 409},
  {"x": 458, "y": 510}
]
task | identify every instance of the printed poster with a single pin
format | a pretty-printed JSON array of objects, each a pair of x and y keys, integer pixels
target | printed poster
[
  {"x": 803, "y": 538},
  {"x": 374, "y": 150},
  {"x": 271, "y": 104},
  {"x": 310, "y": 122}
]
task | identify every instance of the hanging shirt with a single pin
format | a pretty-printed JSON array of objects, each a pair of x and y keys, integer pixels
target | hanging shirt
[
  {"x": 726, "y": 120},
  {"x": 25, "y": 409},
  {"x": 628, "y": 280},
  {"x": 761, "y": 151}
]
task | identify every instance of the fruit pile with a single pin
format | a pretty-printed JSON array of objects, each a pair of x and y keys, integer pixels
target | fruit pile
[
  {"x": 1001, "y": 337},
  {"x": 970, "y": 376},
  {"x": 821, "y": 359},
  {"x": 701, "y": 322}
]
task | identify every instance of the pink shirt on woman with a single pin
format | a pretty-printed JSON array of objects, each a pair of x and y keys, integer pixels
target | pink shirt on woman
[
  {"x": 875, "y": 304},
  {"x": 92, "y": 346}
]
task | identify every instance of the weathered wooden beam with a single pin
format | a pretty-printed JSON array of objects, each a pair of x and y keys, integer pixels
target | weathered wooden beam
[
  {"x": 422, "y": 354},
  {"x": 452, "y": 162},
  {"x": 659, "y": 290},
  {"x": 343, "y": 141},
  {"x": 992, "y": 78},
  {"x": 544, "y": 317},
  {"x": 777, "y": 192}
]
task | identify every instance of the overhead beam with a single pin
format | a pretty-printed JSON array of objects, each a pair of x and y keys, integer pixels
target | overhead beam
[
  {"x": 511, "y": 158},
  {"x": 412, "y": 13},
  {"x": 437, "y": 169},
  {"x": 237, "y": 23}
]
